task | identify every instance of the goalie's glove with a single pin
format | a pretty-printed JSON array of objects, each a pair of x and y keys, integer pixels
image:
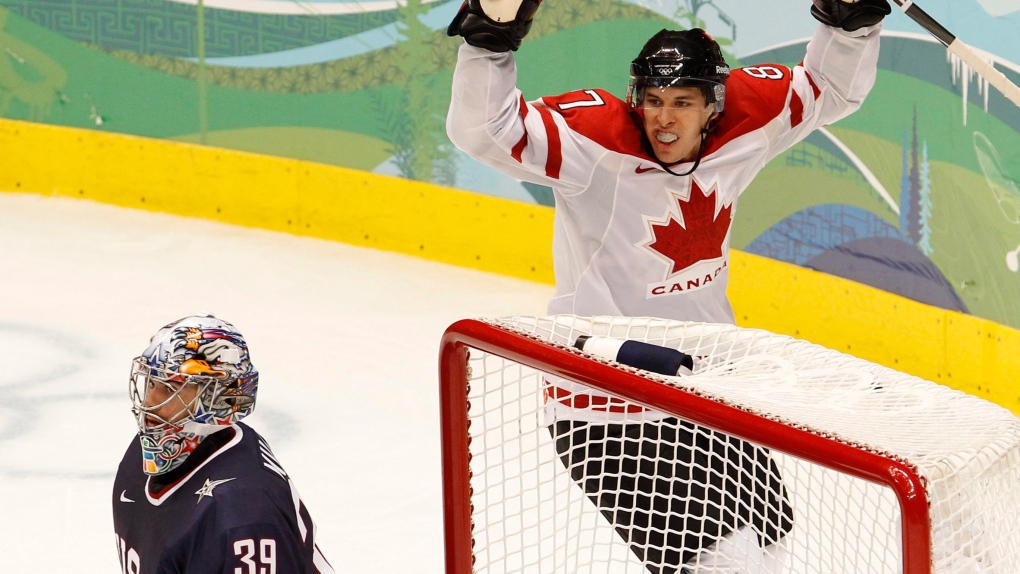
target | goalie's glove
[
  {"x": 850, "y": 15},
  {"x": 496, "y": 25}
]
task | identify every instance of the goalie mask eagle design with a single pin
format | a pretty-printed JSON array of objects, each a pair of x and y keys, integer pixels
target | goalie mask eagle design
[{"x": 193, "y": 379}]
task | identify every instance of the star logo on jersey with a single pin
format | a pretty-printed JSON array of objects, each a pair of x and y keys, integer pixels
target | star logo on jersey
[
  {"x": 208, "y": 487},
  {"x": 695, "y": 232}
]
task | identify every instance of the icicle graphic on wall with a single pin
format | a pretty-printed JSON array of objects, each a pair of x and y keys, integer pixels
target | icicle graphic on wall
[{"x": 964, "y": 73}]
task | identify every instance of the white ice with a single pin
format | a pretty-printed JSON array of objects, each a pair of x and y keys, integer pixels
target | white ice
[{"x": 346, "y": 340}]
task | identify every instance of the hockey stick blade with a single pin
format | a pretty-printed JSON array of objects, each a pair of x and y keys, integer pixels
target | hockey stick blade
[{"x": 961, "y": 50}]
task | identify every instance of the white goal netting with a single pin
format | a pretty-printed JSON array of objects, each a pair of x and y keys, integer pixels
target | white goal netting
[{"x": 568, "y": 479}]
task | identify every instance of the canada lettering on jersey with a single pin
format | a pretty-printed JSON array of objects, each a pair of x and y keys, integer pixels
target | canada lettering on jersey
[{"x": 688, "y": 281}]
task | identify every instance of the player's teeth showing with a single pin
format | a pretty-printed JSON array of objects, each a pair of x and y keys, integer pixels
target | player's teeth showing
[{"x": 666, "y": 138}]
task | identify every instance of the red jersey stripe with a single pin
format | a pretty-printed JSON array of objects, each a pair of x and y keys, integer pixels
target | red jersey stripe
[
  {"x": 518, "y": 151},
  {"x": 595, "y": 403},
  {"x": 554, "y": 161},
  {"x": 814, "y": 86},
  {"x": 796, "y": 109}
]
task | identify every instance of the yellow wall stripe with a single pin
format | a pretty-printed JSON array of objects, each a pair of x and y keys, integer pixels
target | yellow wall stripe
[
  {"x": 304, "y": 198},
  {"x": 486, "y": 233},
  {"x": 961, "y": 351}
]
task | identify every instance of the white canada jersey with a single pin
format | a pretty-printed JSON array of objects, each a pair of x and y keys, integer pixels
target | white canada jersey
[{"x": 629, "y": 238}]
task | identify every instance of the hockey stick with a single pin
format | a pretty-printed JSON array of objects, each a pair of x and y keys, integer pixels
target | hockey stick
[{"x": 962, "y": 51}]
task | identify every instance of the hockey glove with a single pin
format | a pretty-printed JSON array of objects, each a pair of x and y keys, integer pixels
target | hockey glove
[
  {"x": 496, "y": 25},
  {"x": 850, "y": 15}
]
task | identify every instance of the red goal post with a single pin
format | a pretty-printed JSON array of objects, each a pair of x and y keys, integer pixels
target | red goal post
[{"x": 501, "y": 354}]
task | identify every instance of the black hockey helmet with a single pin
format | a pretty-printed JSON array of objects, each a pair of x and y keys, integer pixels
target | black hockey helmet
[{"x": 675, "y": 59}]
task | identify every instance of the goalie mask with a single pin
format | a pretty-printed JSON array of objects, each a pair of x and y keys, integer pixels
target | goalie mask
[
  {"x": 194, "y": 379},
  {"x": 672, "y": 59}
]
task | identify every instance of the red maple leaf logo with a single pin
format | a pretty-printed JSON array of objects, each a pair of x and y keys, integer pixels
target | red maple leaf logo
[{"x": 698, "y": 237}]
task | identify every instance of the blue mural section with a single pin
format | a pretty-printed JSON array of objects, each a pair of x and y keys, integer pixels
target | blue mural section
[
  {"x": 807, "y": 234},
  {"x": 893, "y": 266},
  {"x": 855, "y": 244}
]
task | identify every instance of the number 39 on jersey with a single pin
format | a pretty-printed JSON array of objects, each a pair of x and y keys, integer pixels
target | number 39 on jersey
[{"x": 264, "y": 562}]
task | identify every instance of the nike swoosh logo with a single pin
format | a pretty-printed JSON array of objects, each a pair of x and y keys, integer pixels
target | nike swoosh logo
[
  {"x": 124, "y": 498},
  {"x": 643, "y": 169}
]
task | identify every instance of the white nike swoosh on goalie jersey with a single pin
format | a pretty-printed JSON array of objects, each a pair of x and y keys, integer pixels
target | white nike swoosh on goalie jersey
[{"x": 124, "y": 498}]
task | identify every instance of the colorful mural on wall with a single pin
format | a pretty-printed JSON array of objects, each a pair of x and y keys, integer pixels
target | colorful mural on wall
[{"x": 918, "y": 193}]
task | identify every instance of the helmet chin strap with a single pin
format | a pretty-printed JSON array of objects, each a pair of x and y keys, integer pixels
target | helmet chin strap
[{"x": 701, "y": 150}]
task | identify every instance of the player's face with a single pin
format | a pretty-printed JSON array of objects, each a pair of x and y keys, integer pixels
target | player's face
[
  {"x": 172, "y": 400},
  {"x": 674, "y": 118}
]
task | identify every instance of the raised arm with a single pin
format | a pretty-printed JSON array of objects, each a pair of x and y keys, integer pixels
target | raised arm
[
  {"x": 489, "y": 119},
  {"x": 839, "y": 68}
]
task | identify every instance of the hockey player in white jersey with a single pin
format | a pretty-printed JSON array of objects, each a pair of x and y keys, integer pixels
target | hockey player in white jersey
[
  {"x": 646, "y": 189},
  {"x": 645, "y": 192}
]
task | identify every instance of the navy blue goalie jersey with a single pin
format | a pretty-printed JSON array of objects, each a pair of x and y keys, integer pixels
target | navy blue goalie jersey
[{"x": 229, "y": 509}]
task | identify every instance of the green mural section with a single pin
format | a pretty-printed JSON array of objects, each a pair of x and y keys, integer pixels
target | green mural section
[
  {"x": 373, "y": 95},
  {"x": 30, "y": 80},
  {"x": 355, "y": 112},
  {"x": 429, "y": 51},
  {"x": 120, "y": 96},
  {"x": 163, "y": 28},
  {"x": 569, "y": 60},
  {"x": 782, "y": 189}
]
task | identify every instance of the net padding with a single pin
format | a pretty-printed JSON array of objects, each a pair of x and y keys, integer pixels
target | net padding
[{"x": 635, "y": 492}]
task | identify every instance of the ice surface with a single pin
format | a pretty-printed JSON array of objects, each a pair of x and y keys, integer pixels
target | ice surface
[{"x": 346, "y": 340}]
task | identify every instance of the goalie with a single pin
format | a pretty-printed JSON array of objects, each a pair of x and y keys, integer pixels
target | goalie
[
  {"x": 199, "y": 491},
  {"x": 645, "y": 192}
]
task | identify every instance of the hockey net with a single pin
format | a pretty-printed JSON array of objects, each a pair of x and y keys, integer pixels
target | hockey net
[{"x": 775, "y": 455}]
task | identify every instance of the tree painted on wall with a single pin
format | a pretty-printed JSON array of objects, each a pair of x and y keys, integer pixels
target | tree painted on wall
[
  {"x": 905, "y": 187},
  {"x": 925, "y": 203},
  {"x": 417, "y": 122},
  {"x": 914, "y": 221},
  {"x": 915, "y": 191}
]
